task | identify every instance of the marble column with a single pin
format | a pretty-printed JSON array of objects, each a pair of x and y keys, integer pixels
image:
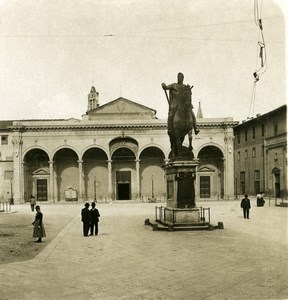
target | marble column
[
  {"x": 137, "y": 161},
  {"x": 51, "y": 180},
  {"x": 109, "y": 179},
  {"x": 80, "y": 168}
]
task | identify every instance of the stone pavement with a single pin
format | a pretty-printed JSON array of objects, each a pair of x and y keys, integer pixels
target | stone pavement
[{"x": 246, "y": 260}]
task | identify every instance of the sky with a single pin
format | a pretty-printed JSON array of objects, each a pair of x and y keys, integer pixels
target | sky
[{"x": 53, "y": 51}]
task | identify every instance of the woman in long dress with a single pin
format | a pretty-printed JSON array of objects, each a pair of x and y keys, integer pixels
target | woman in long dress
[{"x": 38, "y": 230}]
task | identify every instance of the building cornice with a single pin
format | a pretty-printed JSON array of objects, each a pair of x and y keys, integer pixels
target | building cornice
[{"x": 88, "y": 125}]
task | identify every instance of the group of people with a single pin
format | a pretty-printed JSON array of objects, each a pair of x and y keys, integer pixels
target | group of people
[
  {"x": 90, "y": 219},
  {"x": 246, "y": 206}
]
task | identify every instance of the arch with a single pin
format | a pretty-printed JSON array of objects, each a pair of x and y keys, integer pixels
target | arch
[
  {"x": 209, "y": 144},
  {"x": 95, "y": 174},
  {"x": 94, "y": 146},
  {"x": 64, "y": 147},
  {"x": 152, "y": 175},
  {"x": 32, "y": 148},
  {"x": 149, "y": 146},
  {"x": 123, "y": 153},
  {"x": 124, "y": 174},
  {"x": 126, "y": 142},
  {"x": 35, "y": 161},
  {"x": 210, "y": 174},
  {"x": 66, "y": 171}
]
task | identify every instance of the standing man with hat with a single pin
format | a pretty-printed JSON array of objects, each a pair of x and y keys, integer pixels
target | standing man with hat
[
  {"x": 245, "y": 205},
  {"x": 94, "y": 215},
  {"x": 85, "y": 218}
]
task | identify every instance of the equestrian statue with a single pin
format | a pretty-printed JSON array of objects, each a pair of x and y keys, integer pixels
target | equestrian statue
[{"x": 181, "y": 119}]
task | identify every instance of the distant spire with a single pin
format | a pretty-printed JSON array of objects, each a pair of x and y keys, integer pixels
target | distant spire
[
  {"x": 199, "y": 112},
  {"x": 93, "y": 99}
]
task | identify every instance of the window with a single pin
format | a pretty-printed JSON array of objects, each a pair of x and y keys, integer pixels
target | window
[
  {"x": 256, "y": 181},
  {"x": 253, "y": 132},
  {"x": 246, "y": 154},
  {"x": 238, "y": 138},
  {"x": 246, "y": 135},
  {"x": 4, "y": 139},
  {"x": 253, "y": 152},
  {"x": 238, "y": 155}
]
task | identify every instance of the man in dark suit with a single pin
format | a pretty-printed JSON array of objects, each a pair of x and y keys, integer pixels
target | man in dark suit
[
  {"x": 85, "y": 218},
  {"x": 245, "y": 205},
  {"x": 94, "y": 214}
]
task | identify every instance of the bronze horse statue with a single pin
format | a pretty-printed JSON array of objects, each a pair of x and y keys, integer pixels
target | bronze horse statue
[{"x": 182, "y": 123}]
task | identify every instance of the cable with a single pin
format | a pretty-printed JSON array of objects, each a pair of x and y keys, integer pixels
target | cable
[
  {"x": 252, "y": 100},
  {"x": 261, "y": 49}
]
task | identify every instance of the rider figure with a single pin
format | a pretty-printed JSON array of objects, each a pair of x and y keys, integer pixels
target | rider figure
[{"x": 175, "y": 89}]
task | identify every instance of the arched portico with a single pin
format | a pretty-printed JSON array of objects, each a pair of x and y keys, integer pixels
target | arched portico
[
  {"x": 152, "y": 175},
  {"x": 36, "y": 174},
  {"x": 67, "y": 173},
  {"x": 96, "y": 174},
  {"x": 210, "y": 173}
]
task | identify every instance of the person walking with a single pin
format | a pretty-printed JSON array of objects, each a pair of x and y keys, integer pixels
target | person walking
[
  {"x": 245, "y": 205},
  {"x": 38, "y": 230},
  {"x": 32, "y": 202},
  {"x": 94, "y": 215},
  {"x": 85, "y": 218}
]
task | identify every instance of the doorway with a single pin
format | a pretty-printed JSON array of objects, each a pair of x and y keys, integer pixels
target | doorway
[
  {"x": 123, "y": 191},
  {"x": 42, "y": 190},
  {"x": 277, "y": 185},
  {"x": 123, "y": 179},
  {"x": 205, "y": 187}
]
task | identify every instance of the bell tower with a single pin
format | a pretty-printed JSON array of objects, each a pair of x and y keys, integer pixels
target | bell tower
[{"x": 93, "y": 99}]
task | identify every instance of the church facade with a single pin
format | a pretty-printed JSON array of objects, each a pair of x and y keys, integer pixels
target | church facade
[{"x": 115, "y": 152}]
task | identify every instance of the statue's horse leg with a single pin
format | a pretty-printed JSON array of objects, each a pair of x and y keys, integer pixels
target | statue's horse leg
[
  {"x": 190, "y": 140},
  {"x": 172, "y": 144}
]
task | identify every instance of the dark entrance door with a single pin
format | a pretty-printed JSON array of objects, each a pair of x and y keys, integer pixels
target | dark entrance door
[
  {"x": 277, "y": 185},
  {"x": 123, "y": 191},
  {"x": 204, "y": 186},
  {"x": 42, "y": 189},
  {"x": 123, "y": 185}
]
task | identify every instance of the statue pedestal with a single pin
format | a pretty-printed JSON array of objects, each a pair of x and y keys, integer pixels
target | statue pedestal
[
  {"x": 181, "y": 212},
  {"x": 181, "y": 207},
  {"x": 180, "y": 177}
]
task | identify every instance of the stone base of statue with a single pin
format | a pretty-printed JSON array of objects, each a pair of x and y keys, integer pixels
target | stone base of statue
[
  {"x": 181, "y": 209},
  {"x": 180, "y": 177},
  {"x": 181, "y": 212}
]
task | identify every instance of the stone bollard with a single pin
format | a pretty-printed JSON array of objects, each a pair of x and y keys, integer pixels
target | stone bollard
[{"x": 220, "y": 225}]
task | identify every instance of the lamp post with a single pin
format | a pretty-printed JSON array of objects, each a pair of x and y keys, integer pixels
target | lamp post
[
  {"x": 152, "y": 182},
  {"x": 95, "y": 189},
  {"x": 236, "y": 185}
]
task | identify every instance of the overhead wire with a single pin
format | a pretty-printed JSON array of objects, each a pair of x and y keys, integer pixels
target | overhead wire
[{"x": 261, "y": 53}]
